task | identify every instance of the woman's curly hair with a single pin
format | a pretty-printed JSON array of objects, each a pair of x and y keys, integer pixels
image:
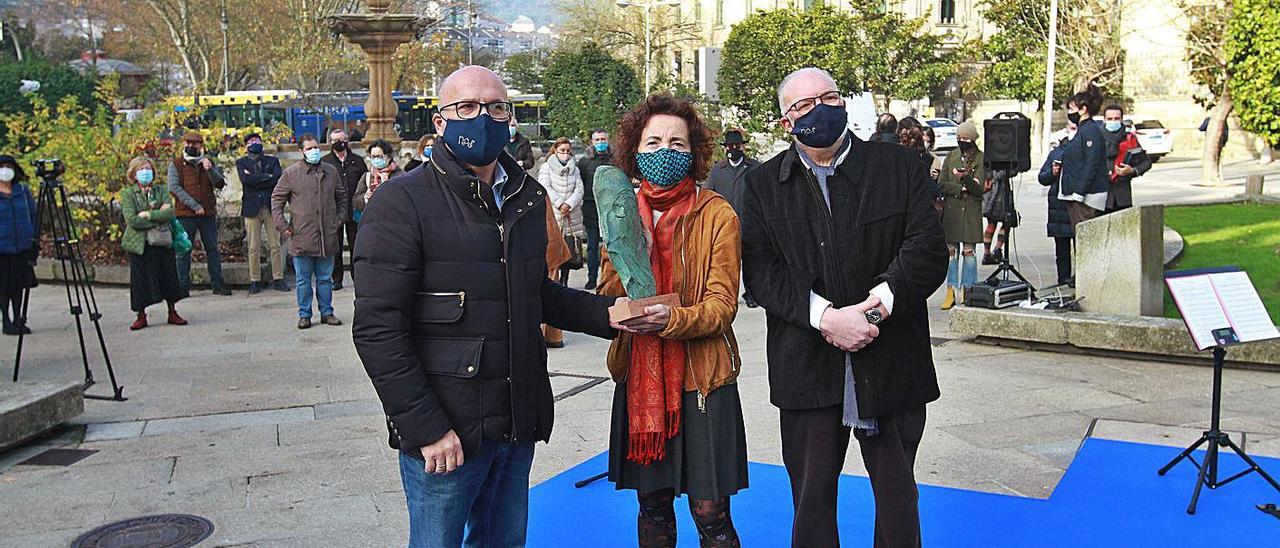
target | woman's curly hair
[{"x": 626, "y": 141}]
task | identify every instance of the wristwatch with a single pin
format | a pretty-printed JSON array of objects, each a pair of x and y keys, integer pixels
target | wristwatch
[{"x": 874, "y": 317}]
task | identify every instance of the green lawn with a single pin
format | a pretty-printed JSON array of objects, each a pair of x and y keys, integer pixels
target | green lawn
[{"x": 1246, "y": 235}]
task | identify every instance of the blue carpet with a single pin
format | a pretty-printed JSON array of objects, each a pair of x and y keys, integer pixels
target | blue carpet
[{"x": 1111, "y": 496}]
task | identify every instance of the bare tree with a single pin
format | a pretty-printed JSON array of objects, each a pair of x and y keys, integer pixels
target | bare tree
[
  {"x": 1206, "y": 34},
  {"x": 177, "y": 20},
  {"x": 621, "y": 30}
]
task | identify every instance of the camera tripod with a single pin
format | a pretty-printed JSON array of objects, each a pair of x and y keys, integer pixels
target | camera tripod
[{"x": 54, "y": 211}]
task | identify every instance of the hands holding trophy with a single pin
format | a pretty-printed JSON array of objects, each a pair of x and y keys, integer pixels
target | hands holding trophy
[{"x": 641, "y": 311}]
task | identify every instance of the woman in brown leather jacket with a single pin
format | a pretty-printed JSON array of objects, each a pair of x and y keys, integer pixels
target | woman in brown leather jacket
[{"x": 677, "y": 425}]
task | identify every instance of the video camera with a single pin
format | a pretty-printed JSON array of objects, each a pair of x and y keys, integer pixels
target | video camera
[{"x": 48, "y": 168}]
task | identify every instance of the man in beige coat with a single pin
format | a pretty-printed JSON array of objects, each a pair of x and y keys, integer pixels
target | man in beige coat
[{"x": 315, "y": 196}]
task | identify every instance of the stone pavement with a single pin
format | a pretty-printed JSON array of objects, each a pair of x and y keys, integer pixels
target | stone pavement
[{"x": 275, "y": 434}]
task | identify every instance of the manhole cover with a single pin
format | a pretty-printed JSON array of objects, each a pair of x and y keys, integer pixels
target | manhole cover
[{"x": 162, "y": 531}]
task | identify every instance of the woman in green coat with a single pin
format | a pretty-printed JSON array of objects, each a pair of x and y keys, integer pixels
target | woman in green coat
[
  {"x": 153, "y": 274},
  {"x": 962, "y": 181}
]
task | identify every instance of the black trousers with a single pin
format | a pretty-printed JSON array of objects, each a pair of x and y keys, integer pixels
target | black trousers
[
  {"x": 814, "y": 442},
  {"x": 339, "y": 269},
  {"x": 1062, "y": 256}
]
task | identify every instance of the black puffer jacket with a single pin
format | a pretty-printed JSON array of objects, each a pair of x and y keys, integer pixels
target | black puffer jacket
[
  {"x": 1059, "y": 225},
  {"x": 450, "y": 294}
]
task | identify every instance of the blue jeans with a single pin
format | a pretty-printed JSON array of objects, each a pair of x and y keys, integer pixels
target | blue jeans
[
  {"x": 207, "y": 229},
  {"x": 962, "y": 270},
  {"x": 322, "y": 268},
  {"x": 486, "y": 499}
]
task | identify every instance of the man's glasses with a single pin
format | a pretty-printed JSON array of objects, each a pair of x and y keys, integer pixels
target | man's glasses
[
  {"x": 466, "y": 110},
  {"x": 803, "y": 106}
]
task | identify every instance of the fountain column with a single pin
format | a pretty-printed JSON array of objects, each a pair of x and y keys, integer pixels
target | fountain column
[{"x": 378, "y": 34}]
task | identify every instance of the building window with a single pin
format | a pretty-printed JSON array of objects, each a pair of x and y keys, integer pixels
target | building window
[
  {"x": 697, "y": 11},
  {"x": 719, "y": 13},
  {"x": 947, "y": 12},
  {"x": 809, "y": 4}
]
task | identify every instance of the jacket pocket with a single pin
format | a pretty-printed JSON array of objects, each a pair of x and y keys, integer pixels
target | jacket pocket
[
  {"x": 444, "y": 307},
  {"x": 458, "y": 358}
]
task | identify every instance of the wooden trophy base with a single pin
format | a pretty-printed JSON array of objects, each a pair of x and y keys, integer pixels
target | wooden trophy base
[{"x": 633, "y": 309}]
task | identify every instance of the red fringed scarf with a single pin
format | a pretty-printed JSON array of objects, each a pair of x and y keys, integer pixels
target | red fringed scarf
[{"x": 655, "y": 383}]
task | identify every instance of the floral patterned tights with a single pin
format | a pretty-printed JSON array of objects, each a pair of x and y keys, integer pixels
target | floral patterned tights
[{"x": 656, "y": 525}]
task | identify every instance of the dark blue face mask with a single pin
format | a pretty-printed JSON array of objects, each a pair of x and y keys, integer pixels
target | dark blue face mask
[
  {"x": 821, "y": 127},
  {"x": 478, "y": 141}
]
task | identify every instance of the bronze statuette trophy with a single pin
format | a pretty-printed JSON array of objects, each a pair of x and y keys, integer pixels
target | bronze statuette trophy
[{"x": 628, "y": 245}]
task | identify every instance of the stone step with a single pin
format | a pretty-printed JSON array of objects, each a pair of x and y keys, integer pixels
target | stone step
[
  {"x": 1143, "y": 335},
  {"x": 31, "y": 408}
]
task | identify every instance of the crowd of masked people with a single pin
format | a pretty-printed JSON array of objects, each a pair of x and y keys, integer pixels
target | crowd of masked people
[
  {"x": 459, "y": 259},
  {"x": 1089, "y": 172}
]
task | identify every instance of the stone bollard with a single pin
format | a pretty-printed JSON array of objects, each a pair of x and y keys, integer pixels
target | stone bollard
[
  {"x": 1253, "y": 185},
  {"x": 1119, "y": 262}
]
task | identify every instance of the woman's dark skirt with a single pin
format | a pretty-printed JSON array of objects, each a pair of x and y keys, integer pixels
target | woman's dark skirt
[
  {"x": 153, "y": 277},
  {"x": 706, "y": 460},
  {"x": 16, "y": 273}
]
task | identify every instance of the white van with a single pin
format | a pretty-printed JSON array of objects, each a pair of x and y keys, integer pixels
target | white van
[{"x": 862, "y": 114}]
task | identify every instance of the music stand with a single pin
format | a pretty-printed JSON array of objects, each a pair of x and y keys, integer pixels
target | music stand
[{"x": 1220, "y": 308}]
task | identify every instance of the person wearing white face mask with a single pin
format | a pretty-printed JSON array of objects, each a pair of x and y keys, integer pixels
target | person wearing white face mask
[
  {"x": 148, "y": 240},
  {"x": 17, "y": 243},
  {"x": 425, "y": 144},
  {"x": 560, "y": 176},
  {"x": 1125, "y": 155},
  {"x": 316, "y": 197},
  {"x": 519, "y": 146},
  {"x": 384, "y": 167}
]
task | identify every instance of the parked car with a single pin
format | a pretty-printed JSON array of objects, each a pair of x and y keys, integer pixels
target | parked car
[
  {"x": 944, "y": 133},
  {"x": 862, "y": 114},
  {"x": 1156, "y": 139}
]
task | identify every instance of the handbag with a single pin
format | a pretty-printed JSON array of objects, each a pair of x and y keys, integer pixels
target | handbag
[
  {"x": 160, "y": 236},
  {"x": 181, "y": 243},
  {"x": 577, "y": 252}
]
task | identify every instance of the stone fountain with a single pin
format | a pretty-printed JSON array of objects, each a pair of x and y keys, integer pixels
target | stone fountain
[{"x": 379, "y": 33}]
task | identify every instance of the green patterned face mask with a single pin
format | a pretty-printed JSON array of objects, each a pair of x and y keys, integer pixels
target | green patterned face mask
[{"x": 664, "y": 167}]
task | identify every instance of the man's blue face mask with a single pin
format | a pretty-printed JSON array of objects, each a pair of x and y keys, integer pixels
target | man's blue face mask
[{"x": 478, "y": 141}]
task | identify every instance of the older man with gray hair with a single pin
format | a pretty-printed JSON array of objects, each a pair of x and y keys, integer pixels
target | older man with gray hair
[
  {"x": 842, "y": 247},
  {"x": 451, "y": 289}
]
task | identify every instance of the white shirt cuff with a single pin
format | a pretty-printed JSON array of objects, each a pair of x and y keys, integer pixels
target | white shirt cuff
[
  {"x": 885, "y": 295},
  {"x": 817, "y": 305}
]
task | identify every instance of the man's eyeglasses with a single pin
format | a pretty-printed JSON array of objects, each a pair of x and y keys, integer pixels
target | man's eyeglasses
[
  {"x": 803, "y": 106},
  {"x": 467, "y": 110}
]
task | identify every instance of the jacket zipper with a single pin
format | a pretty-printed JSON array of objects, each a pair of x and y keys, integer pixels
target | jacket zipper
[
  {"x": 684, "y": 278},
  {"x": 462, "y": 296},
  {"x": 506, "y": 270}
]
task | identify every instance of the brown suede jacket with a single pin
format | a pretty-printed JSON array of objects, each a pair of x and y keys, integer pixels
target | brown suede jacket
[{"x": 707, "y": 264}]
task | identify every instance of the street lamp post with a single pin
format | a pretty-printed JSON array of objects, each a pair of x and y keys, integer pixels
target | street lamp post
[
  {"x": 1049, "y": 76},
  {"x": 226, "y": 45},
  {"x": 648, "y": 56}
]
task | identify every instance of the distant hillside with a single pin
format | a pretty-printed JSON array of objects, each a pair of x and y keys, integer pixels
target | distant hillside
[{"x": 541, "y": 11}]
